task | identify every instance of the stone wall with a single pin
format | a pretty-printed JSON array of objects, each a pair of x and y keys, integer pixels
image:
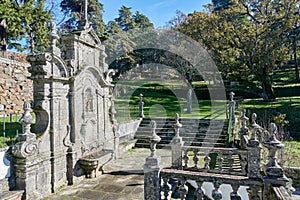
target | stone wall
[{"x": 15, "y": 87}]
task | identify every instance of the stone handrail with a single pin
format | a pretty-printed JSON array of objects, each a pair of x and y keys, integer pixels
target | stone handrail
[
  {"x": 279, "y": 192},
  {"x": 215, "y": 160}
]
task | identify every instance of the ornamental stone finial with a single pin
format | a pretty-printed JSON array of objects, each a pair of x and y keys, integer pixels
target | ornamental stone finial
[
  {"x": 141, "y": 106},
  {"x": 244, "y": 131},
  {"x": 255, "y": 129},
  {"x": 27, "y": 120},
  {"x": 84, "y": 23},
  {"x": 177, "y": 125},
  {"x": 231, "y": 95},
  {"x": 53, "y": 36},
  {"x": 154, "y": 139},
  {"x": 273, "y": 145},
  {"x": 26, "y": 143},
  {"x": 244, "y": 119}
]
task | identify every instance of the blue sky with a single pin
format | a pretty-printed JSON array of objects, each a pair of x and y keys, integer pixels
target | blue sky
[{"x": 158, "y": 11}]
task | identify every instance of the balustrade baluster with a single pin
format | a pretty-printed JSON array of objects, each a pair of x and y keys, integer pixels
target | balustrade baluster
[
  {"x": 199, "y": 193},
  {"x": 216, "y": 194},
  {"x": 220, "y": 161},
  {"x": 206, "y": 162},
  {"x": 195, "y": 158},
  {"x": 234, "y": 195},
  {"x": 166, "y": 188},
  {"x": 254, "y": 193},
  {"x": 183, "y": 189},
  {"x": 185, "y": 158},
  {"x": 230, "y": 161},
  {"x": 243, "y": 161}
]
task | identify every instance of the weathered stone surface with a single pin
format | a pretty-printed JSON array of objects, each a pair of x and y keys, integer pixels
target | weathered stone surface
[
  {"x": 15, "y": 85},
  {"x": 72, "y": 101}
]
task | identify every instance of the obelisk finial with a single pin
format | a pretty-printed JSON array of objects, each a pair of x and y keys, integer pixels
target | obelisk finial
[
  {"x": 86, "y": 10},
  {"x": 84, "y": 22}
]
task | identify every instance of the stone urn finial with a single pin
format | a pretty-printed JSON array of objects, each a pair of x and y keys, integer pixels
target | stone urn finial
[
  {"x": 231, "y": 95},
  {"x": 255, "y": 129},
  {"x": 244, "y": 119},
  {"x": 26, "y": 143},
  {"x": 177, "y": 125},
  {"x": 244, "y": 131},
  {"x": 154, "y": 139},
  {"x": 27, "y": 120},
  {"x": 141, "y": 106},
  {"x": 273, "y": 145}
]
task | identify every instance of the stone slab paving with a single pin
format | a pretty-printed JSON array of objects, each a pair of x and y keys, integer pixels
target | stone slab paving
[{"x": 122, "y": 179}]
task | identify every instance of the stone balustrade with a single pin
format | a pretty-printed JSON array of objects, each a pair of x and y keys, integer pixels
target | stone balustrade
[
  {"x": 199, "y": 178},
  {"x": 229, "y": 166},
  {"x": 215, "y": 160}
]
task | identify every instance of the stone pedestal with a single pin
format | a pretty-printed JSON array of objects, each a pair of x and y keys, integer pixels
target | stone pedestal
[
  {"x": 152, "y": 169},
  {"x": 176, "y": 145}
]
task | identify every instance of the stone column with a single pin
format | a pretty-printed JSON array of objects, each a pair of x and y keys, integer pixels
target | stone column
[
  {"x": 254, "y": 151},
  {"x": 141, "y": 107},
  {"x": 176, "y": 145},
  {"x": 274, "y": 173},
  {"x": 152, "y": 168}
]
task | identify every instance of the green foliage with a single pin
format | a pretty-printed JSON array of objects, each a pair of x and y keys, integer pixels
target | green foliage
[
  {"x": 247, "y": 40},
  {"x": 74, "y": 11},
  {"x": 27, "y": 21}
]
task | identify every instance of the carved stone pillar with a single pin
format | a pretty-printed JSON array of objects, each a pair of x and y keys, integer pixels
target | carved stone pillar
[
  {"x": 176, "y": 145},
  {"x": 152, "y": 169}
]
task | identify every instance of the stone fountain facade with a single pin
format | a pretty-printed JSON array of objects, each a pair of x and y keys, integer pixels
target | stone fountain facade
[{"x": 72, "y": 104}]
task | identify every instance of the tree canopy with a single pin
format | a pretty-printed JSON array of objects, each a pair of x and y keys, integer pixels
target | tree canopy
[
  {"x": 26, "y": 24},
  {"x": 74, "y": 10},
  {"x": 247, "y": 39}
]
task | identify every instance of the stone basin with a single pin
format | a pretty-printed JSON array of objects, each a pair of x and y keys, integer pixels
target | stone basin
[{"x": 93, "y": 163}]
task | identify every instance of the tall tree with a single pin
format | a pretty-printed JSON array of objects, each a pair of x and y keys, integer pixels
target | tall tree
[
  {"x": 26, "y": 24},
  {"x": 125, "y": 19},
  {"x": 249, "y": 37},
  {"x": 120, "y": 36},
  {"x": 74, "y": 10}
]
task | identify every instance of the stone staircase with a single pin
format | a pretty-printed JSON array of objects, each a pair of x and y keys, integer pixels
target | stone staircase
[{"x": 194, "y": 132}]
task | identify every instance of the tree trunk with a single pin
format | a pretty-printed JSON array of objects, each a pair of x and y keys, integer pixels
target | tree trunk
[
  {"x": 296, "y": 60},
  {"x": 268, "y": 92}
]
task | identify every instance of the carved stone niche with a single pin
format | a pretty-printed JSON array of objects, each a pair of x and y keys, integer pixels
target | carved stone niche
[{"x": 89, "y": 101}]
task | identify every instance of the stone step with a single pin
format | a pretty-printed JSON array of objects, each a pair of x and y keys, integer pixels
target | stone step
[
  {"x": 193, "y": 131},
  {"x": 11, "y": 195}
]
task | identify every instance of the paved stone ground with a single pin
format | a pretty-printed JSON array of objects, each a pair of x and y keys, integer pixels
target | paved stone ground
[{"x": 122, "y": 179}]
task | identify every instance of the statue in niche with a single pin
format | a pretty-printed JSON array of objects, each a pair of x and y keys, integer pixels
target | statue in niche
[{"x": 89, "y": 105}]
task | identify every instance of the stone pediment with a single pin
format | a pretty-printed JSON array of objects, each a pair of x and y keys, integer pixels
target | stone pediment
[{"x": 89, "y": 37}]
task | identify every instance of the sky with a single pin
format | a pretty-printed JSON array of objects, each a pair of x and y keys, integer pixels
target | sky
[{"x": 158, "y": 11}]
